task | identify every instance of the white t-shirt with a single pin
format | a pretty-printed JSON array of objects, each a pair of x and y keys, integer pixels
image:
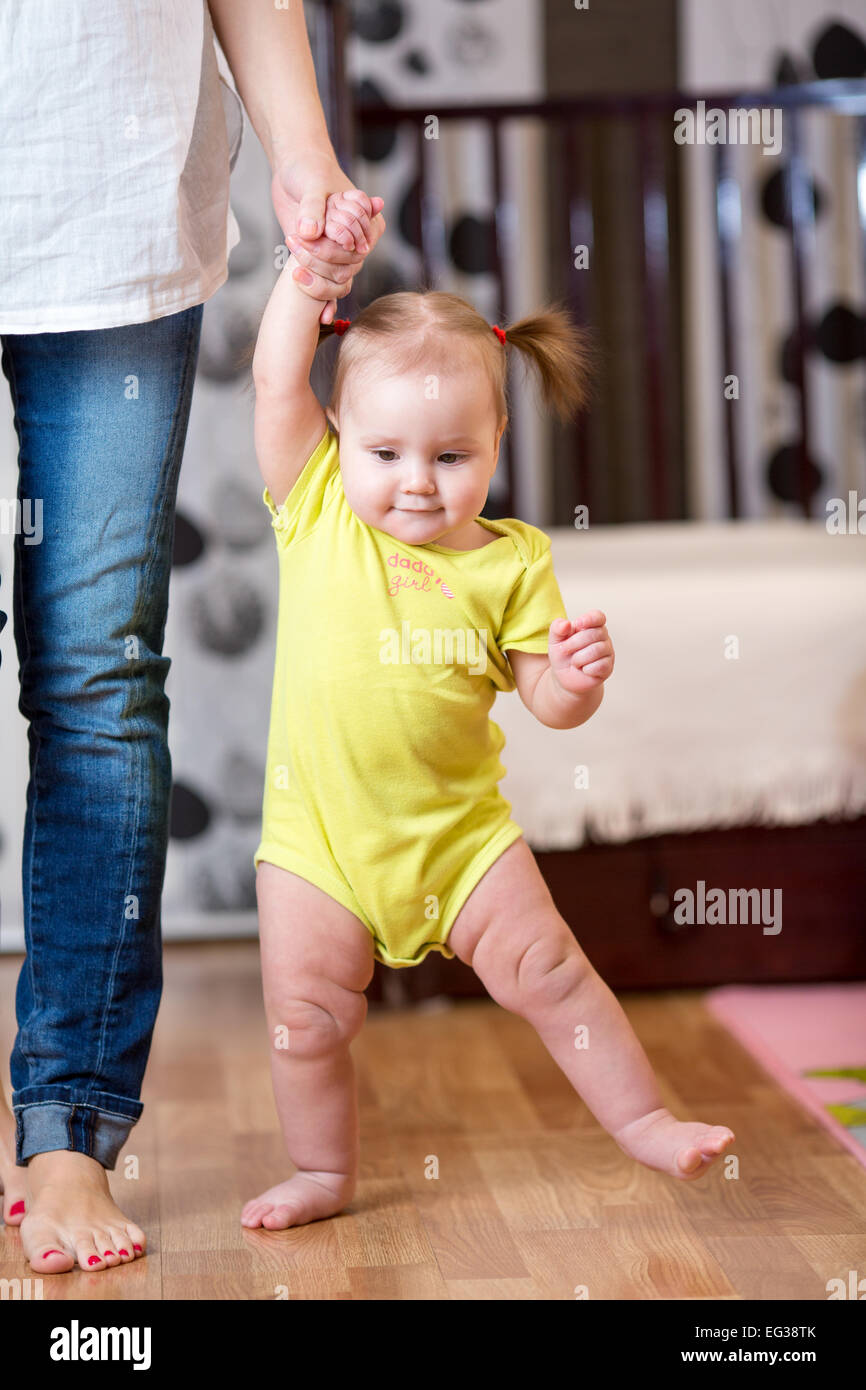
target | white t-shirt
[{"x": 117, "y": 137}]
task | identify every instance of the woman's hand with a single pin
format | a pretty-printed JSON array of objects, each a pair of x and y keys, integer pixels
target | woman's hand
[
  {"x": 328, "y": 223},
  {"x": 581, "y": 652}
]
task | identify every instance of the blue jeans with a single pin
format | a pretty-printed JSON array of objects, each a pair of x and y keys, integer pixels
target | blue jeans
[{"x": 101, "y": 418}]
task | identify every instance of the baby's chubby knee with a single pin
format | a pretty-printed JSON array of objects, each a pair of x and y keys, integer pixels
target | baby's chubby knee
[
  {"x": 537, "y": 969},
  {"x": 309, "y": 1023}
]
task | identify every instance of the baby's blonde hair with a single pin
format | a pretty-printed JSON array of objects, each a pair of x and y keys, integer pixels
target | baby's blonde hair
[
  {"x": 435, "y": 330},
  {"x": 432, "y": 329}
]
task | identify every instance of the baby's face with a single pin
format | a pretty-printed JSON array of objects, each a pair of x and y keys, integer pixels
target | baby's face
[{"x": 418, "y": 468}]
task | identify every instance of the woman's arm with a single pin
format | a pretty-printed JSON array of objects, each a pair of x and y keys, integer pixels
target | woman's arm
[
  {"x": 268, "y": 52},
  {"x": 289, "y": 421}
]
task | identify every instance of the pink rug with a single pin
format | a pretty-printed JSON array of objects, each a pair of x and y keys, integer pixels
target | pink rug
[{"x": 812, "y": 1040}]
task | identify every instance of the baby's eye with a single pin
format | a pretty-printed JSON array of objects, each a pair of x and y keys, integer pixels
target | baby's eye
[
  {"x": 380, "y": 452},
  {"x": 451, "y": 455}
]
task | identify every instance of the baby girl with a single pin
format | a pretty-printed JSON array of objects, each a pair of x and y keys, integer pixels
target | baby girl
[{"x": 402, "y": 612}]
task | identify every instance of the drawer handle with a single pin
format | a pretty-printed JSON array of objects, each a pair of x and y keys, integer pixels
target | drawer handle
[{"x": 662, "y": 910}]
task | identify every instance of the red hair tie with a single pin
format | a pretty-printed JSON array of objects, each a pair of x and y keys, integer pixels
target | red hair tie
[{"x": 500, "y": 333}]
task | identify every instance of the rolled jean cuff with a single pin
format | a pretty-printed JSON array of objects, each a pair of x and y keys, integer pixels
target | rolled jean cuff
[{"x": 49, "y": 1117}]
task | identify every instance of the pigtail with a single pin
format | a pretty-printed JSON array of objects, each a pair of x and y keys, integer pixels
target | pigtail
[{"x": 563, "y": 355}]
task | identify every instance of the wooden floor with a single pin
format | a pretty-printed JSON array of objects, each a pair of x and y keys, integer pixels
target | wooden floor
[{"x": 533, "y": 1198}]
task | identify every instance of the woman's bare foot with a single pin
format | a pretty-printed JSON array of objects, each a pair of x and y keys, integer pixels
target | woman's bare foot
[
  {"x": 72, "y": 1218},
  {"x": 12, "y": 1182},
  {"x": 685, "y": 1149},
  {"x": 305, "y": 1197}
]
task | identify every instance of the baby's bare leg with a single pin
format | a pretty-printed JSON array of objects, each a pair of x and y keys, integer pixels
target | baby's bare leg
[
  {"x": 317, "y": 960},
  {"x": 524, "y": 953}
]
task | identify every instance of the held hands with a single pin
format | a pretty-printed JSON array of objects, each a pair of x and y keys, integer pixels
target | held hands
[
  {"x": 345, "y": 221},
  {"x": 330, "y": 234},
  {"x": 581, "y": 652},
  {"x": 282, "y": 357},
  {"x": 300, "y": 188}
]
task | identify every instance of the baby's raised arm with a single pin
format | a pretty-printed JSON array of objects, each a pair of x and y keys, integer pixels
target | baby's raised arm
[{"x": 289, "y": 421}]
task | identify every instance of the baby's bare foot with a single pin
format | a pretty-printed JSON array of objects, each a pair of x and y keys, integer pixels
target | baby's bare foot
[
  {"x": 72, "y": 1218},
  {"x": 11, "y": 1177},
  {"x": 685, "y": 1149},
  {"x": 305, "y": 1197}
]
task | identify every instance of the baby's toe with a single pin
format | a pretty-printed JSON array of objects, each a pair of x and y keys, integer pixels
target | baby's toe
[
  {"x": 278, "y": 1219},
  {"x": 689, "y": 1160},
  {"x": 254, "y": 1211},
  {"x": 718, "y": 1138}
]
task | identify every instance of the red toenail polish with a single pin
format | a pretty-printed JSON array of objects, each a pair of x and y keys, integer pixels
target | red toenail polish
[
  {"x": 94, "y": 1260},
  {"x": 138, "y": 1248},
  {"x": 106, "y": 1252},
  {"x": 123, "y": 1252},
  {"x": 19, "y": 1206},
  {"x": 51, "y": 1252}
]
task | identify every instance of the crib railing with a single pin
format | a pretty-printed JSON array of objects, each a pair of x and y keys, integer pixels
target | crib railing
[{"x": 584, "y": 453}]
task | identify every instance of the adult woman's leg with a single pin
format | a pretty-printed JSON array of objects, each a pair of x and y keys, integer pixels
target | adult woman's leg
[
  {"x": 101, "y": 417},
  {"x": 11, "y": 1177}
]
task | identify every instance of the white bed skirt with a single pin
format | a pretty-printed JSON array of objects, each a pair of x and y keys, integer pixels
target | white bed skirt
[{"x": 687, "y": 737}]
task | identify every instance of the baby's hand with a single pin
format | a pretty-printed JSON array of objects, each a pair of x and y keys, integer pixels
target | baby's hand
[
  {"x": 346, "y": 218},
  {"x": 581, "y": 652}
]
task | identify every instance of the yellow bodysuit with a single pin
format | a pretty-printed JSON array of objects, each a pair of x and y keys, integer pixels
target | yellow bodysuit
[{"x": 382, "y": 762}]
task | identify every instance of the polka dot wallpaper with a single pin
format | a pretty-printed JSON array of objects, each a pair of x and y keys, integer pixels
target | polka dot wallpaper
[{"x": 755, "y": 48}]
